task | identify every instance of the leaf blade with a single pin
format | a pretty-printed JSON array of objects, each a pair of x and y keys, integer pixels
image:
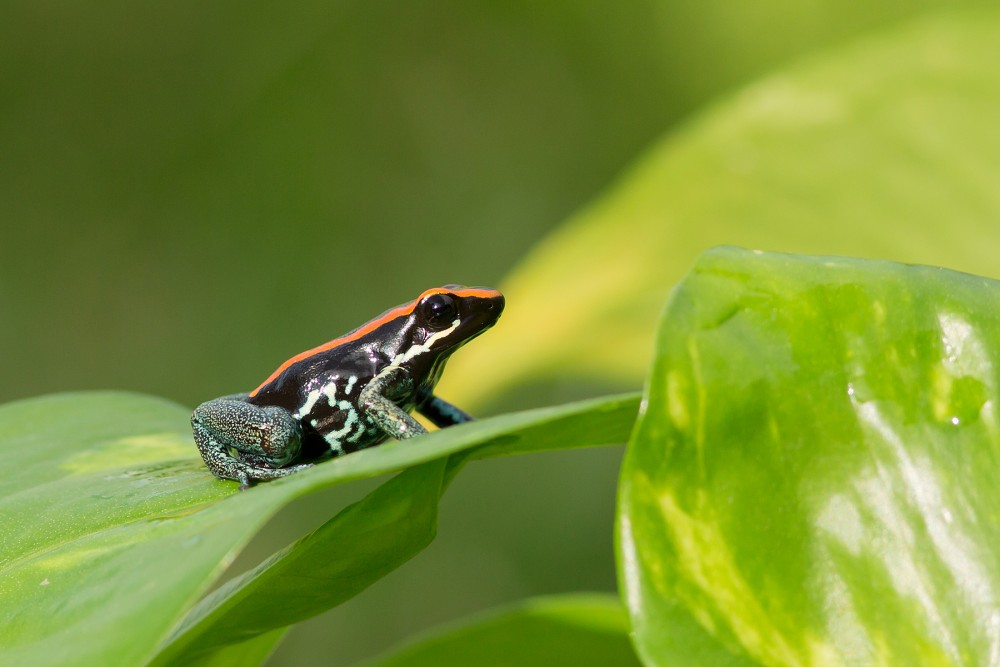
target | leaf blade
[
  {"x": 113, "y": 521},
  {"x": 577, "y": 630},
  {"x": 813, "y": 469},
  {"x": 336, "y": 574},
  {"x": 363, "y": 543}
]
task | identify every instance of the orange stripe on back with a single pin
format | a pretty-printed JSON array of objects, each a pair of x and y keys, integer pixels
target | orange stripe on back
[{"x": 399, "y": 311}]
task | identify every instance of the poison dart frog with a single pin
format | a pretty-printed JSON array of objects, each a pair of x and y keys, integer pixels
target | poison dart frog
[{"x": 353, "y": 392}]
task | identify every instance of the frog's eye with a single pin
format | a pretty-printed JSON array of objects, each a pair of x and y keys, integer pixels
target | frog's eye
[{"x": 439, "y": 310}]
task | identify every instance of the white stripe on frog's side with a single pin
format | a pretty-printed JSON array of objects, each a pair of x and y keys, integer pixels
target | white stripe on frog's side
[
  {"x": 307, "y": 407},
  {"x": 351, "y": 420},
  {"x": 333, "y": 438},
  {"x": 329, "y": 390},
  {"x": 360, "y": 432},
  {"x": 426, "y": 346}
]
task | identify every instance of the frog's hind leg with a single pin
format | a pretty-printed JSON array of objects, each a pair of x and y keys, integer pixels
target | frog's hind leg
[{"x": 246, "y": 442}]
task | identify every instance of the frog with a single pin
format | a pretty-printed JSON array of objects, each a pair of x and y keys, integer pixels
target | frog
[{"x": 351, "y": 393}]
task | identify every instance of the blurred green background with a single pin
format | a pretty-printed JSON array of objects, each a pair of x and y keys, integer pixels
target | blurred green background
[{"x": 193, "y": 191}]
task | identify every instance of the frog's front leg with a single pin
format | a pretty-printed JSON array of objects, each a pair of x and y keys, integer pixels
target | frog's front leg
[
  {"x": 441, "y": 413},
  {"x": 264, "y": 438},
  {"x": 388, "y": 416}
]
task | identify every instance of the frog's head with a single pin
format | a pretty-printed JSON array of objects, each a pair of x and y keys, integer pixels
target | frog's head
[{"x": 442, "y": 320}]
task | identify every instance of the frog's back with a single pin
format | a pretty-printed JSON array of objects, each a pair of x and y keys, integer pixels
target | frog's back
[
  {"x": 341, "y": 370},
  {"x": 322, "y": 391}
]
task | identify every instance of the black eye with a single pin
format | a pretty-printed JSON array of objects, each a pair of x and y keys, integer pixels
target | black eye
[{"x": 439, "y": 310}]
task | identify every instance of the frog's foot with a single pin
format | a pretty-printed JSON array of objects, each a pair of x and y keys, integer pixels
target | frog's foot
[
  {"x": 261, "y": 474},
  {"x": 246, "y": 442},
  {"x": 226, "y": 466}
]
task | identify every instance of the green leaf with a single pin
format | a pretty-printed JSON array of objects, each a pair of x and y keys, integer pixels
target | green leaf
[
  {"x": 101, "y": 503},
  {"x": 883, "y": 148},
  {"x": 109, "y": 520},
  {"x": 251, "y": 652},
  {"x": 360, "y": 545},
  {"x": 375, "y": 535},
  {"x": 572, "y": 630},
  {"x": 812, "y": 479}
]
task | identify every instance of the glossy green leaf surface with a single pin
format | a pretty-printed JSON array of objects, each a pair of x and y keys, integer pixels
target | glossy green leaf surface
[
  {"x": 812, "y": 480},
  {"x": 109, "y": 519},
  {"x": 363, "y": 543},
  {"x": 885, "y": 148},
  {"x": 251, "y": 652},
  {"x": 570, "y": 630}
]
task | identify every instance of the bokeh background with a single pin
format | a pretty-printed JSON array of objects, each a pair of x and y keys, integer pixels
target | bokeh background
[{"x": 191, "y": 191}]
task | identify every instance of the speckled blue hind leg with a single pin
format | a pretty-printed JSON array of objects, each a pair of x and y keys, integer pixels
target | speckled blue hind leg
[{"x": 245, "y": 442}]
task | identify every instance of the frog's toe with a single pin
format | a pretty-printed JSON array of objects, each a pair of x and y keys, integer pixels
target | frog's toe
[
  {"x": 264, "y": 474},
  {"x": 245, "y": 482}
]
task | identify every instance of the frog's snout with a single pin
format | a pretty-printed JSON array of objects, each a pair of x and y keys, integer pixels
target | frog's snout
[
  {"x": 492, "y": 307},
  {"x": 495, "y": 304}
]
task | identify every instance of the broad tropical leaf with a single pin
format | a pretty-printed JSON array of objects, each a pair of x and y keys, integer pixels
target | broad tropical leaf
[
  {"x": 812, "y": 480},
  {"x": 109, "y": 520},
  {"x": 570, "y": 630}
]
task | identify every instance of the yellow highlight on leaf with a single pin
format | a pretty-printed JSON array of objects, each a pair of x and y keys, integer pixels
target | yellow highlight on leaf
[
  {"x": 139, "y": 450},
  {"x": 705, "y": 561}
]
